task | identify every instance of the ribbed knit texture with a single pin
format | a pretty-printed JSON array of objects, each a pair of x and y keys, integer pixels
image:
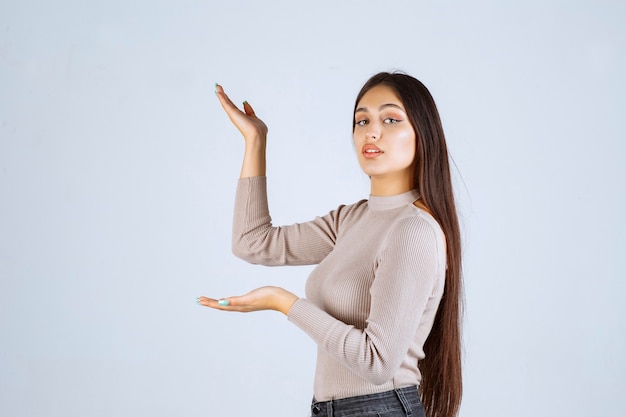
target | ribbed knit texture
[{"x": 372, "y": 299}]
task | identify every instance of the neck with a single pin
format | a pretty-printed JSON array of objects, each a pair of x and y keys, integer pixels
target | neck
[{"x": 390, "y": 186}]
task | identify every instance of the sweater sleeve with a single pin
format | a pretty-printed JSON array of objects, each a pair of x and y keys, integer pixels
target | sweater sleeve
[
  {"x": 407, "y": 286},
  {"x": 257, "y": 241}
]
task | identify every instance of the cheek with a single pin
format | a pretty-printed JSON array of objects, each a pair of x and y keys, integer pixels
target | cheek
[
  {"x": 357, "y": 142},
  {"x": 406, "y": 141}
]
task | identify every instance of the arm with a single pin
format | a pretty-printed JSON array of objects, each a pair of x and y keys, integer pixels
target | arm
[
  {"x": 257, "y": 241},
  {"x": 254, "y": 132},
  {"x": 405, "y": 294},
  {"x": 404, "y": 298}
]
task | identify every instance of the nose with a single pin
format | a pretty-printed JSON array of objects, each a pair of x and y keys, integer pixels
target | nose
[{"x": 373, "y": 132}]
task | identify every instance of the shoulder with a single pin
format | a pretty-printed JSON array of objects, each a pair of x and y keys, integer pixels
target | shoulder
[
  {"x": 416, "y": 232},
  {"x": 350, "y": 210},
  {"x": 416, "y": 241},
  {"x": 343, "y": 216},
  {"x": 416, "y": 224}
]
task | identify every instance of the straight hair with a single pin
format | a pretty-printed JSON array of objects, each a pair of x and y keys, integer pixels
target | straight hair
[{"x": 441, "y": 386}]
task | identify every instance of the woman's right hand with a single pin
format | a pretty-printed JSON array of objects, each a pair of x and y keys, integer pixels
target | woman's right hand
[{"x": 250, "y": 126}]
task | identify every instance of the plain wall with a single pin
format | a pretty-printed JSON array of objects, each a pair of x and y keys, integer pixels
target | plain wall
[{"x": 118, "y": 170}]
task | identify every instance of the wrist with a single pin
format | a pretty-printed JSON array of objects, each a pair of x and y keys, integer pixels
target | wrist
[
  {"x": 255, "y": 143},
  {"x": 286, "y": 301},
  {"x": 254, "y": 159}
]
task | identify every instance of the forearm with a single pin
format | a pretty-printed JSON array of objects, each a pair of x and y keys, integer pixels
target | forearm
[{"x": 254, "y": 158}]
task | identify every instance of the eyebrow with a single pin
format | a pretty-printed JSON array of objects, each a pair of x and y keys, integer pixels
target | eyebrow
[{"x": 364, "y": 109}]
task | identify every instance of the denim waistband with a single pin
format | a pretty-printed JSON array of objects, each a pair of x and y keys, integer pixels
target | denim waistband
[{"x": 405, "y": 401}]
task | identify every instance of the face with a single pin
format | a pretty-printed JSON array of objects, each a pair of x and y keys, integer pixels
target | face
[{"x": 384, "y": 139}]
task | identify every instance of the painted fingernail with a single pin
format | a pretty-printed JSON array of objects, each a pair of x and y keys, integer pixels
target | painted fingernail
[
  {"x": 223, "y": 302},
  {"x": 245, "y": 102}
]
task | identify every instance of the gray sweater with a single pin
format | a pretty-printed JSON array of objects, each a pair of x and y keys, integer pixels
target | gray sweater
[{"x": 372, "y": 298}]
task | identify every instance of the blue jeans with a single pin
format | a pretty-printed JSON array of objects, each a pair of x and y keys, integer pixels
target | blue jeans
[{"x": 401, "y": 402}]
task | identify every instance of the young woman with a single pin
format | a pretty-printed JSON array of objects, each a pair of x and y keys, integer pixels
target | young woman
[{"x": 384, "y": 302}]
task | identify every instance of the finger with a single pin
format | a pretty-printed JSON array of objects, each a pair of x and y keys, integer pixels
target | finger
[
  {"x": 212, "y": 302},
  {"x": 225, "y": 101},
  {"x": 224, "y": 304},
  {"x": 205, "y": 301},
  {"x": 247, "y": 108},
  {"x": 228, "y": 104}
]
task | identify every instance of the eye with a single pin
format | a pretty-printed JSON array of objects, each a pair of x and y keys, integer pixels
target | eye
[
  {"x": 361, "y": 122},
  {"x": 391, "y": 121}
]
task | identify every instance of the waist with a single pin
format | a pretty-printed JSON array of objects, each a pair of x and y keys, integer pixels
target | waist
[{"x": 401, "y": 399}]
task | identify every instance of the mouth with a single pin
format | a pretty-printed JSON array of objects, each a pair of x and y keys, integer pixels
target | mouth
[{"x": 371, "y": 151}]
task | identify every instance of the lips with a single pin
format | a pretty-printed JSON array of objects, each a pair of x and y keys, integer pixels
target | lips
[{"x": 371, "y": 151}]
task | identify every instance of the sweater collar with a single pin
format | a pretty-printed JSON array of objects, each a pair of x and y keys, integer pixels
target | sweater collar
[{"x": 377, "y": 202}]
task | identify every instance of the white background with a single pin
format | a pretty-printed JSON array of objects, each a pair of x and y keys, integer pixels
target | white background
[{"x": 118, "y": 170}]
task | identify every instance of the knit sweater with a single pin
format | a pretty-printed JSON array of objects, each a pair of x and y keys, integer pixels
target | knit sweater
[{"x": 371, "y": 300}]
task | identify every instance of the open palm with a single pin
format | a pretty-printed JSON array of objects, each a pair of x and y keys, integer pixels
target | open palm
[{"x": 246, "y": 121}]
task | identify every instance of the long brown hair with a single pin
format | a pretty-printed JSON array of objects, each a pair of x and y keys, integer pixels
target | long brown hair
[{"x": 441, "y": 386}]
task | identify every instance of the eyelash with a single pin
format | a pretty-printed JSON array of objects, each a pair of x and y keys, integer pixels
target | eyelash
[{"x": 387, "y": 120}]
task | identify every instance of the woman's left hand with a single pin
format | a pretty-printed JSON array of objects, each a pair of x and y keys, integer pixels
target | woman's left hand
[{"x": 264, "y": 298}]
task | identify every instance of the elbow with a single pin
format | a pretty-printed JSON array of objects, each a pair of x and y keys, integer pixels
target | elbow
[
  {"x": 381, "y": 366},
  {"x": 243, "y": 251},
  {"x": 252, "y": 254},
  {"x": 379, "y": 378}
]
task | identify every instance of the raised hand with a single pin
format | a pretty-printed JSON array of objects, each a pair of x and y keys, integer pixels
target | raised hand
[
  {"x": 253, "y": 130},
  {"x": 264, "y": 298},
  {"x": 246, "y": 121}
]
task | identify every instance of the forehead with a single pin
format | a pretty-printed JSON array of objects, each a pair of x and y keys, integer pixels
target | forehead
[{"x": 379, "y": 95}]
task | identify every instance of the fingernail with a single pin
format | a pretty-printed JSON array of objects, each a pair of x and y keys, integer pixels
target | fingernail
[
  {"x": 223, "y": 302},
  {"x": 245, "y": 102},
  {"x": 216, "y": 85}
]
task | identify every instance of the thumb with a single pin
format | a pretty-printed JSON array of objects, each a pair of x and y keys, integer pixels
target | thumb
[{"x": 247, "y": 108}]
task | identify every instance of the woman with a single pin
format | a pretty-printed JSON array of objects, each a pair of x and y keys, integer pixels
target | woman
[{"x": 384, "y": 302}]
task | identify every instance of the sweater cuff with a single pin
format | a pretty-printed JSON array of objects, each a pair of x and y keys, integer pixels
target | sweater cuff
[
  {"x": 297, "y": 310},
  {"x": 252, "y": 181}
]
